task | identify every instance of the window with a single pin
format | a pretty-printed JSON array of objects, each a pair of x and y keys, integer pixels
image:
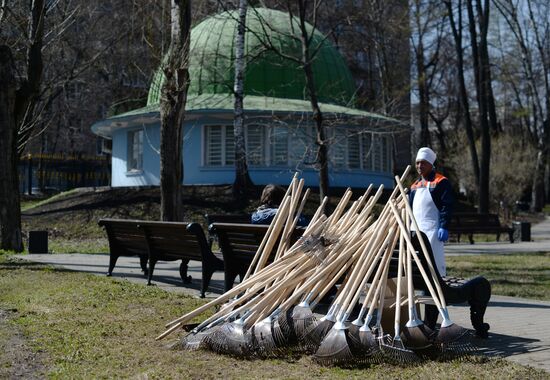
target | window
[
  {"x": 339, "y": 148},
  {"x": 302, "y": 145},
  {"x": 135, "y": 151},
  {"x": 356, "y": 149},
  {"x": 255, "y": 144},
  {"x": 219, "y": 145},
  {"x": 279, "y": 145}
]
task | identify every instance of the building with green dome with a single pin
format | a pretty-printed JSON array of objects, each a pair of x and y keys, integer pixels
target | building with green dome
[{"x": 279, "y": 130}]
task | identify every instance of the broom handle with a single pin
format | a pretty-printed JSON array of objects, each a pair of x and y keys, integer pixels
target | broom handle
[
  {"x": 376, "y": 294},
  {"x": 341, "y": 206},
  {"x": 359, "y": 269},
  {"x": 296, "y": 191},
  {"x": 355, "y": 248},
  {"x": 274, "y": 236},
  {"x": 313, "y": 279},
  {"x": 383, "y": 292},
  {"x": 416, "y": 258},
  {"x": 285, "y": 240},
  {"x": 352, "y": 251},
  {"x": 274, "y": 292},
  {"x": 274, "y": 225},
  {"x": 264, "y": 275},
  {"x": 266, "y": 236},
  {"x": 389, "y": 241},
  {"x": 365, "y": 214},
  {"x": 357, "y": 205},
  {"x": 399, "y": 275},
  {"x": 318, "y": 214},
  {"x": 423, "y": 245}
]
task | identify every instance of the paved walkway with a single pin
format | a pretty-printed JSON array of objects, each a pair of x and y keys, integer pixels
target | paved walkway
[{"x": 520, "y": 328}]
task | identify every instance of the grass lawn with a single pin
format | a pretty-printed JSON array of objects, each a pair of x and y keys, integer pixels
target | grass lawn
[
  {"x": 63, "y": 324},
  {"x": 524, "y": 275}
]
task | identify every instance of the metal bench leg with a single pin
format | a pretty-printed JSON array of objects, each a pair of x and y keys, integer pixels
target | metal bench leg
[
  {"x": 206, "y": 276},
  {"x": 152, "y": 264},
  {"x": 183, "y": 272},
  {"x": 112, "y": 263},
  {"x": 229, "y": 278},
  {"x": 143, "y": 263},
  {"x": 481, "y": 293}
]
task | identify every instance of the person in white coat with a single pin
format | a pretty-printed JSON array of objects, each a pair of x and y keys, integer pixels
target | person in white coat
[{"x": 432, "y": 199}]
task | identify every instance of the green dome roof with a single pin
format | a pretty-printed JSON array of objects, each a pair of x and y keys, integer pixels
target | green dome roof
[{"x": 267, "y": 74}]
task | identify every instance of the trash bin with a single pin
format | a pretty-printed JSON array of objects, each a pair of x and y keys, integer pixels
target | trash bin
[
  {"x": 522, "y": 231},
  {"x": 38, "y": 241}
]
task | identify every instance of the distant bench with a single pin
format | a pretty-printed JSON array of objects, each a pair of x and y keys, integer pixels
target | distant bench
[
  {"x": 161, "y": 241},
  {"x": 474, "y": 223},
  {"x": 238, "y": 243},
  {"x": 476, "y": 291}
]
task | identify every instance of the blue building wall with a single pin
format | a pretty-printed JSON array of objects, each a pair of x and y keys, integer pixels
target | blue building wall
[{"x": 195, "y": 173}]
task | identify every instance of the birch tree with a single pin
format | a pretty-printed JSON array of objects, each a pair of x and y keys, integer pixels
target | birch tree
[
  {"x": 172, "y": 111},
  {"x": 242, "y": 178}
]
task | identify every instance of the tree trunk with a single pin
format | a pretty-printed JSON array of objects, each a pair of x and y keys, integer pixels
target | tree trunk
[
  {"x": 10, "y": 208},
  {"x": 242, "y": 177},
  {"x": 482, "y": 100},
  {"x": 29, "y": 90},
  {"x": 321, "y": 141},
  {"x": 457, "y": 34},
  {"x": 537, "y": 192},
  {"x": 172, "y": 112},
  {"x": 423, "y": 94}
]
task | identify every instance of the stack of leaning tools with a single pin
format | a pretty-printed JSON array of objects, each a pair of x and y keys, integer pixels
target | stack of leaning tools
[{"x": 348, "y": 253}]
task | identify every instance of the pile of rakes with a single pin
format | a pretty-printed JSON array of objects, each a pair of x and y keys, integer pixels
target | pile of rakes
[{"x": 270, "y": 313}]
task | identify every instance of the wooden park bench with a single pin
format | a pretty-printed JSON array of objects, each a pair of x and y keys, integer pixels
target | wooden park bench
[
  {"x": 125, "y": 240},
  {"x": 476, "y": 291},
  {"x": 162, "y": 241},
  {"x": 474, "y": 223},
  {"x": 238, "y": 243},
  {"x": 223, "y": 218}
]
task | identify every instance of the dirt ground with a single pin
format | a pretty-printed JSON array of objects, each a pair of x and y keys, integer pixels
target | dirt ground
[{"x": 18, "y": 360}]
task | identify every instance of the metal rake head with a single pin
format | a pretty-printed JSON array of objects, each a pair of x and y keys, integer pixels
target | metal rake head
[
  {"x": 302, "y": 319},
  {"x": 195, "y": 339},
  {"x": 231, "y": 339},
  {"x": 283, "y": 330},
  {"x": 394, "y": 350},
  {"x": 315, "y": 334},
  {"x": 263, "y": 340},
  {"x": 454, "y": 341},
  {"x": 335, "y": 349},
  {"x": 420, "y": 338}
]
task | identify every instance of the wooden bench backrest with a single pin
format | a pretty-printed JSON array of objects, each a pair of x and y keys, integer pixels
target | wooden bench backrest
[
  {"x": 226, "y": 218},
  {"x": 241, "y": 241},
  {"x": 474, "y": 219},
  {"x": 175, "y": 239},
  {"x": 124, "y": 236}
]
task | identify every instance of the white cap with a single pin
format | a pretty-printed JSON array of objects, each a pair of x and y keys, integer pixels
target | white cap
[{"x": 426, "y": 154}]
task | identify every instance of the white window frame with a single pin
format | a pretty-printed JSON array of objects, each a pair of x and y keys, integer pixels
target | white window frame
[
  {"x": 225, "y": 130},
  {"x": 134, "y": 160},
  {"x": 380, "y": 157}
]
